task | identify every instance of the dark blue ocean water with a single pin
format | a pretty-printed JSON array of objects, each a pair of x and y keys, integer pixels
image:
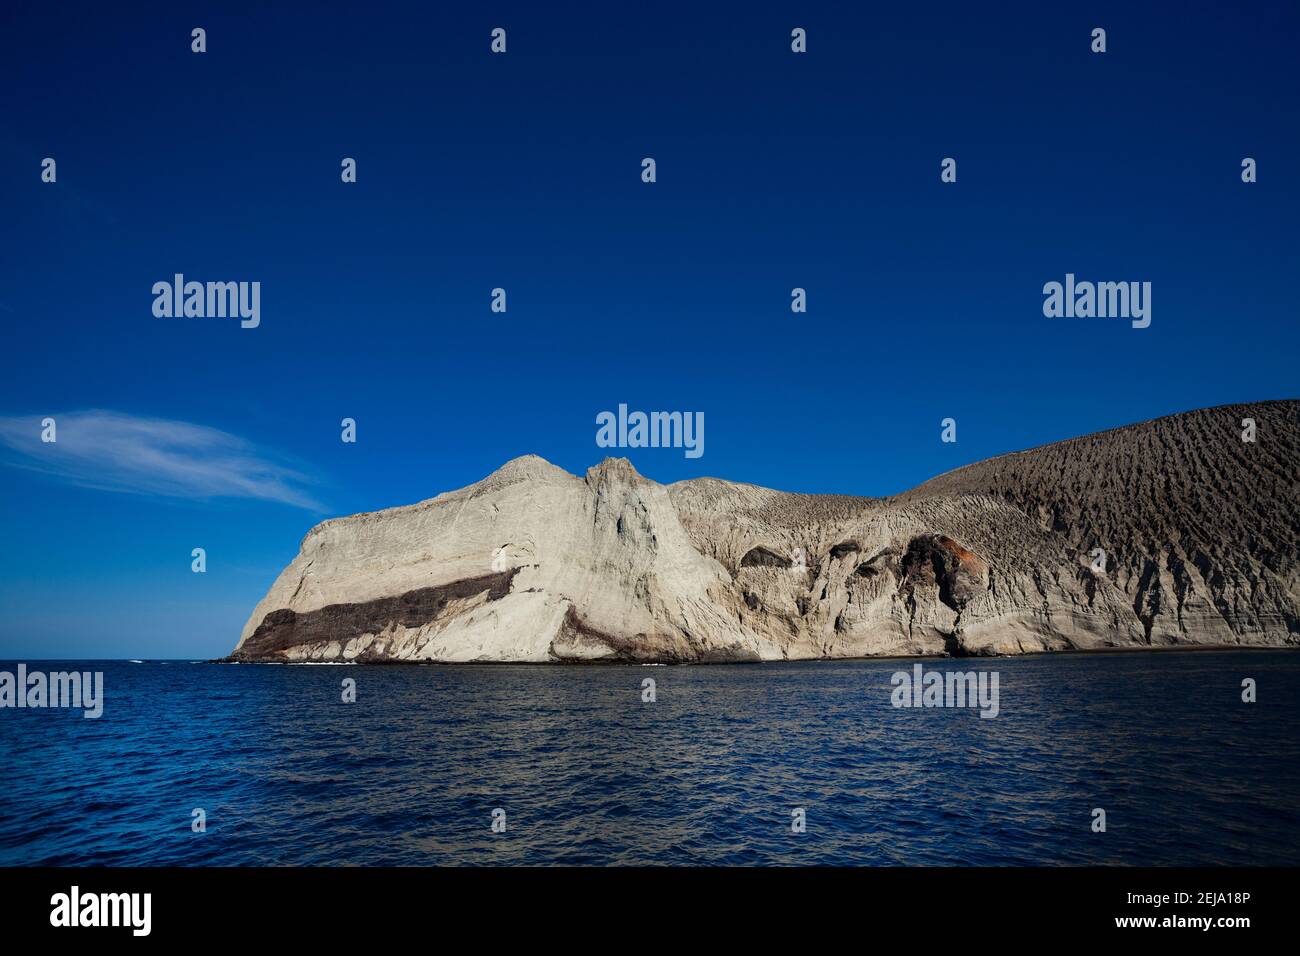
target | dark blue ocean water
[{"x": 410, "y": 774}]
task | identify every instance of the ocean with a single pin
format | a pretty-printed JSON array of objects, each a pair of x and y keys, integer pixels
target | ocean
[{"x": 574, "y": 767}]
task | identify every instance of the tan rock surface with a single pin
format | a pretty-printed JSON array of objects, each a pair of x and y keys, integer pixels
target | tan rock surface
[{"x": 1201, "y": 533}]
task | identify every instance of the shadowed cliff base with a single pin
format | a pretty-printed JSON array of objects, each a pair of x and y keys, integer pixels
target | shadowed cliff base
[
  {"x": 338, "y": 623},
  {"x": 1172, "y": 533}
]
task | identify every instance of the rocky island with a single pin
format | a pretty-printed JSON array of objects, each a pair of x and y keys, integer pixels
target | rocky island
[{"x": 1176, "y": 532}]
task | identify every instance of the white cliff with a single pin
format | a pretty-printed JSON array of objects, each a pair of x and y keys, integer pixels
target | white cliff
[{"x": 1200, "y": 532}]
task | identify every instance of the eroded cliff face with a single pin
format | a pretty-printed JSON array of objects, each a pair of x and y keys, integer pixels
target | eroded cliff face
[{"x": 1200, "y": 532}]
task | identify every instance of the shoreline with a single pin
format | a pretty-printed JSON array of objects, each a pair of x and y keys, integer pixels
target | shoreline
[
  {"x": 1197, "y": 648},
  {"x": 1137, "y": 649}
]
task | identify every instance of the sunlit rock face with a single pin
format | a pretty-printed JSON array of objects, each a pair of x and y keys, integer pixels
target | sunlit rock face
[{"x": 1198, "y": 532}]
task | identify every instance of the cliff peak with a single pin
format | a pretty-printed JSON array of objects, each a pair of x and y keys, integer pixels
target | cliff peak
[{"x": 614, "y": 469}]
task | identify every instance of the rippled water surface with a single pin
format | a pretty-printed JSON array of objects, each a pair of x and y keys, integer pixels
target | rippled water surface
[{"x": 410, "y": 774}]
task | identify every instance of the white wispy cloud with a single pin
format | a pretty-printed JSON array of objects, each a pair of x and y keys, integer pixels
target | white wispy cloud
[{"x": 119, "y": 452}]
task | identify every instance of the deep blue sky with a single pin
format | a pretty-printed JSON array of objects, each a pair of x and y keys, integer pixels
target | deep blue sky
[{"x": 523, "y": 171}]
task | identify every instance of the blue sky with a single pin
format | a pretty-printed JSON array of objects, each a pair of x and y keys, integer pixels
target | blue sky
[{"x": 522, "y": 171}]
